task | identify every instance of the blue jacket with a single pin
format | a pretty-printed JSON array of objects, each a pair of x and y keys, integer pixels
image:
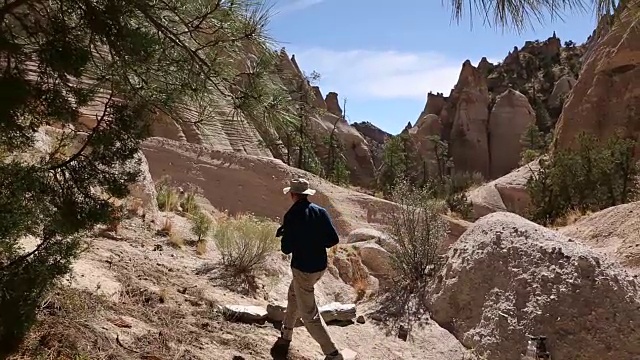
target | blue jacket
[{"x": 307, "y": 231}]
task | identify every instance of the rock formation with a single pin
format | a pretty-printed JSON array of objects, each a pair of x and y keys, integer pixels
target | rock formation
[
  {"x": 333, "y": 106},
  {"x": 422, "y": 135},
  {"x": 319, "y": 100},
  {"x": 510, "y": 117},
  {"x": 435, "y": 104},
  {"x": 375, "y": 138},
  {"x": 606, "y": 96},
  {"x": 467, "y": 115},
  {"x": 507, "y": 278},
  {"x": 372, "y": 132},
  {"x": 561, "y": 90},
  {"x": 491, "y": 106}
]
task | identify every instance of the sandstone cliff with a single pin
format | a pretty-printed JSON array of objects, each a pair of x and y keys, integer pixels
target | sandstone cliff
[
  {"x": 606, "y": 97},
  {"x": 227, "y": 129}
]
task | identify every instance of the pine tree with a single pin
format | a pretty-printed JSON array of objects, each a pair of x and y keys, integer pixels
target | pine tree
[
  {"x": 534, "y": 144},
  {"x": 393, "y": 168},
  {"x": 143, "y": 58}
]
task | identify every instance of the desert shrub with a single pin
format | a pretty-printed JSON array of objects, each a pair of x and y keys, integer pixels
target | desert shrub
[
  {"x": 201, "y": 225},
  {"x": 244, "y": 241},
  {"x": 189, "y": 204},
  {"x": 418, "y": 229},
  {"x": 167, "y": 197},
  {"x": 452, "y": 189},
  {"x": 594, "y": 176},
  {"x": 201, "y": 247},
  {"x": 176, "y": 240}
]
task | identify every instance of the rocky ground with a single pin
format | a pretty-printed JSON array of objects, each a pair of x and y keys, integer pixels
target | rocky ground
[{"x": 133, "y": 295}]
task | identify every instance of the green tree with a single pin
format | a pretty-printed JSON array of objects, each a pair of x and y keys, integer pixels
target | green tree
[
  {"x": 201, "y": 225},
  {"x": 592, "y": 177},
  {"x": 336, "y": 169},
  {"x": 393, "y": 166},
  {"x": 142, "y": 57},
  {"x": 298, "y": 137},
  {"x": 534, "y": 144}
]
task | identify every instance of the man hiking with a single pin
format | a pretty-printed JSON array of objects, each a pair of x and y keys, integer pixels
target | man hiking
[{"x": 307, "y": 232}]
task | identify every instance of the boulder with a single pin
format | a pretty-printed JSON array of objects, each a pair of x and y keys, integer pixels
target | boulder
[
  {"x": 507, "y": 278},
  {"x": 375, "y": 258},
  {"x": 457, "y": 227},
  {"x": 613, "y": 232},
  {"x": 367, "y": 234},
  {"x": 507, "y": 193},
  {"x": 510, "y": 117},
  {"x": 349, "y": 354},
  {"x": 561, "y": 90}
]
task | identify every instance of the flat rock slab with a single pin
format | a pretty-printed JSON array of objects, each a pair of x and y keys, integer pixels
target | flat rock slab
[
  {"x": 245, "y": 313},
  {"x": 330, "y": 312},
  {"x": 336, "y": 311}
]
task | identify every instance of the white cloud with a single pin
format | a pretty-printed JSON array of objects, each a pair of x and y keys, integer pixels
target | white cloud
[
  {"x": 367, "y": 74},
  {"x": 296, "y": 5}
]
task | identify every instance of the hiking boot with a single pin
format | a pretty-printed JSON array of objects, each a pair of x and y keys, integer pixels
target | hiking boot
[
  {"x": 280, "y": 348},
  {"x": 334, "y": 356}
]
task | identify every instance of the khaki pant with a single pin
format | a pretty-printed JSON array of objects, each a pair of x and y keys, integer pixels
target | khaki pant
[{"x": 301, "y": 303}]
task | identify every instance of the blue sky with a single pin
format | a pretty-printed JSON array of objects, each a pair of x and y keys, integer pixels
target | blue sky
[{"x": 384, "y": 57}]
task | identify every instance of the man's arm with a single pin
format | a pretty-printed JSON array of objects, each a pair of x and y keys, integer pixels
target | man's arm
[
  {"x": 286, "y": 243},
  {"x": 331, "y": 237}
]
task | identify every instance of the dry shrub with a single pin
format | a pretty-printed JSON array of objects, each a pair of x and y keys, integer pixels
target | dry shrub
[
  {"x": 418, "y": 229},
  {"x": 201, "y": 247},
  {"x": 167, "y": 196},
  {"x": 360, "y": 285},
  {"x": 359, "y": 276},
  {"x": 189, "y": 204},
  {"x": 244, "y": 242},
  {"x": 62, "y": 330},
  {"x": 175, "y": 240},
  {"x": 571, "y": 217},
  {"x": 167, "y": 226}
]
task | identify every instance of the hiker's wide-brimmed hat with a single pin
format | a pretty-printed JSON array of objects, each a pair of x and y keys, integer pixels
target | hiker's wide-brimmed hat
[{"x": 299, "y": 186}]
